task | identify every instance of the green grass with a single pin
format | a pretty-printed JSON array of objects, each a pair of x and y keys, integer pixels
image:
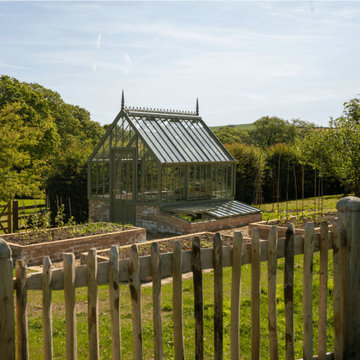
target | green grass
[
  {"x": 238, "y": 127},
  {"x": 270, "y": 211},
  {"x": 35, "y": 322}
]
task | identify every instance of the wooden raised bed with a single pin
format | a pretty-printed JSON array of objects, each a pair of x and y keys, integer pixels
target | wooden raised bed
[{"x": 34, "y": 253}]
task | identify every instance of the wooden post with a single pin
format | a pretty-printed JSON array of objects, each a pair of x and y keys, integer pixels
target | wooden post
[
  {"x": 177, "y": 302},
  {"x": 135, "y": 293},
  {"x": 272, "y": 271},
  {"x": 349, "y": 219},
  {"x": 255, "y": 294},
  {"x": 93, "y": 322},
  {"x": 235, "y": 296},
  {"x": 323, "y": 290},
  {"x": 198, "y": 298},
  {"x": 9, "y": 217},
  {"x": 157, "y": 321},
  {"x": 307, "y": 292},
  {"x": 289, "y": 292},
  {"x": 70, "y": 306},
  {"x": 21, "y": 311},
  {"x": 338, "y": 298},
  {"x": 114, "y": 297},
  {"x": 46, "y": 310},
  {"x": 7, "y": 324},
  {"x": 15, "y": 215},
  {"x": 218, "y": 298}
]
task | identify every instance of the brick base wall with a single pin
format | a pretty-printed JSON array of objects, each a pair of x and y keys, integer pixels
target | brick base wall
[
  {"x": 99, "y": 210},
  {"x": 154, "y": 220},
  {"x": 34, "y": 253}
]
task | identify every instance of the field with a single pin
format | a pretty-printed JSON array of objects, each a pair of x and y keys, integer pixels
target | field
[
  {"x": 238, "y": 127},
  {"x": 35, "y": 321}
]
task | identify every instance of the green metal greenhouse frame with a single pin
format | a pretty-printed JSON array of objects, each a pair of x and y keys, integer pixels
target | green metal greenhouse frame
[{"x": 159, "y": 157}]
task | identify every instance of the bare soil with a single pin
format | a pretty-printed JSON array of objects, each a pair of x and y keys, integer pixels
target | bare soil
[{"x": 166, "y": 246}]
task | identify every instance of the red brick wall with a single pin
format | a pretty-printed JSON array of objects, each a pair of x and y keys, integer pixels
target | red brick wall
[
  {"x": 34, "y": 253},
  {"x": 99, "y": 209},
  {"x": 154, "y": 220}
]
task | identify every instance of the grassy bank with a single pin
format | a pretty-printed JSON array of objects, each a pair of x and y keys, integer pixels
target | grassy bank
[{"x": 35, "y": 322}]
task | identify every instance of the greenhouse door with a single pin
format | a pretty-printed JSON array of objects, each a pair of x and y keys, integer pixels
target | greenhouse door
[{"x": 123, "y": 186}]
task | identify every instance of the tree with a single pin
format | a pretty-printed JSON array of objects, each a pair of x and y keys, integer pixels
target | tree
[
  {"x": 338, "y": 147},
  {"x": 272, "y": 130},
  {"x": 247, "y": 169},
  {"x": 38, "y": 132},
  {"x": 20, "y": 173},
  {"x": 231, "y": 135}
]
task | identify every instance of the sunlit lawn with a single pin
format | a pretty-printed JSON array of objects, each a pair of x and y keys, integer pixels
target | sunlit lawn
[{"x": 327, "y": 205}]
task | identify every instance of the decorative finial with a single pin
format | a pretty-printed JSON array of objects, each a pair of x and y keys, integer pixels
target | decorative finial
[
  {"x": 197, "y": 106},
  {"x": 122, "y": 100}
]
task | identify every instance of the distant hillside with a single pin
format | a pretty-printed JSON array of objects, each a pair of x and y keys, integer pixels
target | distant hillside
[{"x": 238, "y": 127}]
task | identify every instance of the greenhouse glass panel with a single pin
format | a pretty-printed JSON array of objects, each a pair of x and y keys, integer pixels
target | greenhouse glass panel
[{"x": 173, "y": 183}]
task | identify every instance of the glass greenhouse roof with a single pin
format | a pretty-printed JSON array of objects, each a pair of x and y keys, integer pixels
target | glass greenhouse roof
[
  {"x": 177, "y": 137},
  {"x": 217, "y": 209}
]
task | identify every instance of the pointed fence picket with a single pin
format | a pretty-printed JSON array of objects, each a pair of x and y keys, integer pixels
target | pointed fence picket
[{"x": 157, "y": 266}]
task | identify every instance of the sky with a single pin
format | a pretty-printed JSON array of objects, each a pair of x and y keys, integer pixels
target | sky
[{"x": 242, "y": 59}]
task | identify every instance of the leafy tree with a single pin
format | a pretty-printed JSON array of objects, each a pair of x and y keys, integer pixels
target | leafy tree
[
  {"x": 230, "y": 135},
  {"x": 272, "y": 130},
  {"x": 247, "y": 168},
  {"x": 67, "y": 183},
  {"x": 338, "y": 147},
  {"x": 20, "y": 173},
  {"x": 40, "y": 133}
]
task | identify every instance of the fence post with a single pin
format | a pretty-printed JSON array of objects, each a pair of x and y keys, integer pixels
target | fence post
[
  {"x": 9, "y": 217},
  {"x": 15, "y": 215},
  {"x": 7, "y": 323},
  {"x": 349, "y": 218}
]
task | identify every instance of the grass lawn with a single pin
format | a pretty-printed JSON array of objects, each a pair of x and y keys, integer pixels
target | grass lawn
[
  {"x": 270, "y": 211},
  {"x": 35, "y": 321}
]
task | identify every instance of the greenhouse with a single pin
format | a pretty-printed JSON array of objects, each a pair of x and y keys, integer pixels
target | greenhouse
[{"x": 164, "y": 162}]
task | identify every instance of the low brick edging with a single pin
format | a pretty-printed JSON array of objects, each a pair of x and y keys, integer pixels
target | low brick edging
[
  {"x": 34, "y": 253},
  {"x": 154, "y": 220}
]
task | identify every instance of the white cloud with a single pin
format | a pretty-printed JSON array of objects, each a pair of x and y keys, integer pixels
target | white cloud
[
  {"x": 127, "y": 58},
  {"x": 12, "y": 66},
  {"x": 98, "y": 42}
]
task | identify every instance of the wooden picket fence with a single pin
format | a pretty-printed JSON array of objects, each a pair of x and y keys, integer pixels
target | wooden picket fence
[{"x": 343, "y": 239}]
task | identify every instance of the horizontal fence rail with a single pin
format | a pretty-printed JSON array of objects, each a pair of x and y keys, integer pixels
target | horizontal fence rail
[
  {"x": 136, "y": 270},
  {"x": 57, "y": 282}
]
